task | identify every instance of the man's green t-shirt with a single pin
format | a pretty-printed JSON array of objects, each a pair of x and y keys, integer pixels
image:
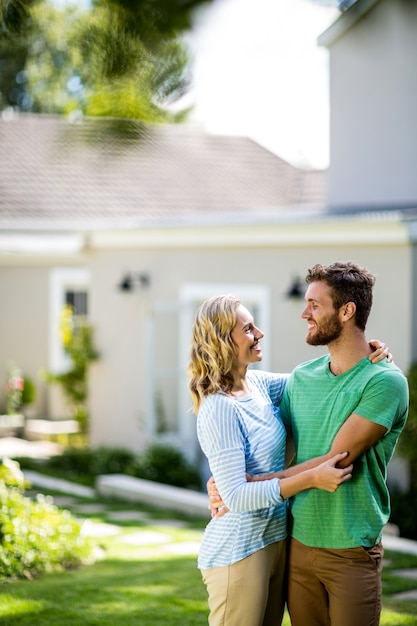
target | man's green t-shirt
[{"x": 315, "y": 405}]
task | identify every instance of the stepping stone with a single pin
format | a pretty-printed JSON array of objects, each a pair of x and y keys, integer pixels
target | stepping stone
[
  {"x": 184, "y": 548},
  {"x": 128, "y": 516},
  {"x": 406, "y": 595},
  {"x": 92, "y": 529},
  {"x": 405, "y": 573},
  {"x": 398, "y": 544},
  {"x": 174, "y": 523},
  {"x": 145, "y": 538},
  {"x": 64, "y": 501},
  {"x": 91, "y": 508}
]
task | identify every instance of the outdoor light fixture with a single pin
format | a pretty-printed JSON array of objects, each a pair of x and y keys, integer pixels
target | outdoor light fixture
[
  {"x": 133, "y": 281},
  {"x": 296, "y": 290}
]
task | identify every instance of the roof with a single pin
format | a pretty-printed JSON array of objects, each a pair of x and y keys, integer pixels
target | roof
[{"x": 107, "y": 174}]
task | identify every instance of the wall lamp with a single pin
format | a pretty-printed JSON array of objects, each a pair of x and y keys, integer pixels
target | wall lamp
[
  {"x": 296, "y": 290},
  {"x": 133, "y": 281}
]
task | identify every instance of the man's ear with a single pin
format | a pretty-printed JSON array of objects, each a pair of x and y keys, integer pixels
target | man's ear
[{"x": 348, "y": 310}]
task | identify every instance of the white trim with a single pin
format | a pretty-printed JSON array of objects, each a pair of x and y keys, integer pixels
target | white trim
[
  {"x": 345, "y": 21},
  {"x": 374, "y": 230}
]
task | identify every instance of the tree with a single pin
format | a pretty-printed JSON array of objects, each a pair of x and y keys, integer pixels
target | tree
[
  {"x": 151, "y": 19},
  {"x": 119, "y": 51},
  {"x": 92, "y": 62}
]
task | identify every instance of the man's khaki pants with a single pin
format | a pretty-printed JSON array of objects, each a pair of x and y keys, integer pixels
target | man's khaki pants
[{"x": 329, "y": 587}]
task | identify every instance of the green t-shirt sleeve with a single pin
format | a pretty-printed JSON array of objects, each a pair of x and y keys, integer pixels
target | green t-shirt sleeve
[{"x": 385, "y": 399}]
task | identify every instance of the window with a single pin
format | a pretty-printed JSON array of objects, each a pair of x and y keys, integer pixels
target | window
[
  {"x": 67, "y": 286},
  {"x": 78, "y": 300}
]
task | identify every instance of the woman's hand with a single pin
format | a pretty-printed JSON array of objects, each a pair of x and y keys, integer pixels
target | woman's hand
[
  {"x": 216, "y": 506},
  {"x": 381, "y": 351},
  {"x": 328, "y": 477}
]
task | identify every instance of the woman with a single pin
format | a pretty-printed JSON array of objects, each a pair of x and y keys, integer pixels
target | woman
[{"x": 242, "y": 555}]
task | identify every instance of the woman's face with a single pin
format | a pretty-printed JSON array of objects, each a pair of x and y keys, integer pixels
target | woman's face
[{"x": 246, "y": 337}]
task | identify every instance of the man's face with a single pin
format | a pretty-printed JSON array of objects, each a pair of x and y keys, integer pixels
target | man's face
[{"x": 323, "y": 321}]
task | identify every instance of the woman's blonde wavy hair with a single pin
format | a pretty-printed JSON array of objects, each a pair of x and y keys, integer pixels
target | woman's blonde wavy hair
[{"x": 212, "y": 348}]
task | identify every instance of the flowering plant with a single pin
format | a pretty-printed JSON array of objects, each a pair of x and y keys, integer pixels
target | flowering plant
[
  {"x": 77, "y": 341},
  {"x": 14, "y": 390}
]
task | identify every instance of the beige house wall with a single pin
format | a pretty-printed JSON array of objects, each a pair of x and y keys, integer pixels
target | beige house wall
[
  {"x": 138, "y": 388},
  {"x": 123, "y": 385},
  {"x": 24, "y": 331}
]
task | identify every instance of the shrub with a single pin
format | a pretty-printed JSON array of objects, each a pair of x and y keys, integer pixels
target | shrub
[
  {"x": 165, "y": 464},
  {"x": 160, "y": 463},
  {"x": 29, "y": 391},
  {"x": 407, "y": 444},
  {"x": 403, "y": 512},
  {"x": 36, "y": 536},
  {"x": 85, "y": 464}
]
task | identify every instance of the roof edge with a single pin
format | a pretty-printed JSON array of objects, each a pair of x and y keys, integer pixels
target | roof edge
[{"x": 345, "y": 21}]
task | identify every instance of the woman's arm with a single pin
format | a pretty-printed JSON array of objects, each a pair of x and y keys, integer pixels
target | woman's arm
[{"x": 325, "y": 476}]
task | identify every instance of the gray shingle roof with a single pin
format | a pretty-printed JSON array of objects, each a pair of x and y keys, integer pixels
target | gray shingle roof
[{"x": 117, "y": 173}]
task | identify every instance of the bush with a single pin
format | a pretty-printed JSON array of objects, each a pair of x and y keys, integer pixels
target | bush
[
  {"x": 165, "y": 464},
  {"x": 160, "y": 463},
  {"x": 407, "y": 443},
  {"x": 403, "y": 512},
  {"x": 35, "y": 536}
]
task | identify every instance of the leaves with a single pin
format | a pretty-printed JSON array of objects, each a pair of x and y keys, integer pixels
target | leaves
[
  {"x": 92, "y": 60},
  {"x": 77, "y": 339}
]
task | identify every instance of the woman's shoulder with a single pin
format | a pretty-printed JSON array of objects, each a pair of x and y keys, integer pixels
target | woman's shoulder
[
  {"x": 214, "y": 401},
  {"x": 266, "y": 378}
]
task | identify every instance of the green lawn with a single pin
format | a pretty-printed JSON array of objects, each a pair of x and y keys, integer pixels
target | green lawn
[{"x": 147, "y": 580}]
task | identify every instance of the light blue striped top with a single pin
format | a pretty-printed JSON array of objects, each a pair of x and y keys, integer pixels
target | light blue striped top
[{"x": 240, "y": 435}]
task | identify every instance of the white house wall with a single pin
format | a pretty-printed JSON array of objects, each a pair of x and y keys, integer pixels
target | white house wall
[{"x": 373, "y": 108}]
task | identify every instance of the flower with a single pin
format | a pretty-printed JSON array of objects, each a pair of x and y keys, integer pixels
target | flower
[{"x": 14, "y": 388}]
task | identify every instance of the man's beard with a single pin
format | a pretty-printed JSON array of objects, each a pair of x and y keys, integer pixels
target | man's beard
[{"x": 329, "y": 330}]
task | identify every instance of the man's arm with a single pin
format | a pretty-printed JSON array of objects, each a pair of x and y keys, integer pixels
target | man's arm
[{"x": 356, "y": 435}]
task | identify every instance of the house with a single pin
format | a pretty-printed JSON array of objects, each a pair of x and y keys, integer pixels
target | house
[
  {"x": 134, "y": 225},
  {"x": 148, "y": 222},
  {"x": 373, "y": 98}
]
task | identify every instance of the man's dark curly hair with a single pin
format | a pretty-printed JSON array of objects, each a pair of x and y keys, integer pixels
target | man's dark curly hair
[{"x": 349, "y": 283}]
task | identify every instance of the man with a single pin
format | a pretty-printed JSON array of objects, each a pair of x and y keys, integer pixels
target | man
[{"x": 334, "y": 403}]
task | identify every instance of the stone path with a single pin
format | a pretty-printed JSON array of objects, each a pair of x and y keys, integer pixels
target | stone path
[{"x": 154, "y": 539}]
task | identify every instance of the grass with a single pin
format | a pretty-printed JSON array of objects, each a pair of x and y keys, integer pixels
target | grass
[{"x": 143, "y": 582}]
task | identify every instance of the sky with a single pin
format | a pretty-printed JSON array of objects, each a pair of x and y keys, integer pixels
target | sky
[{"x": 259, "y": 72}]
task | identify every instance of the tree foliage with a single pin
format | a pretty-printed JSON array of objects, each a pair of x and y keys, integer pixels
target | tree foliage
[{"x": 119, "y": 58}]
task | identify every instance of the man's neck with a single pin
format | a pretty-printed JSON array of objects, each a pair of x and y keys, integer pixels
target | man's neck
[{"x": 347, "y": 351}]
